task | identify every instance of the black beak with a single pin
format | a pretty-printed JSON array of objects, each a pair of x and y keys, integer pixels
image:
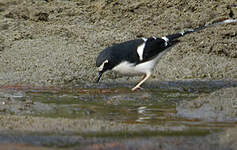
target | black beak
[{"x": 99, "y": 76}]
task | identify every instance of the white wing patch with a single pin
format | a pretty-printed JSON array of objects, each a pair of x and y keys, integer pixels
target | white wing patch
[
  {"x": 144, "y": 39},
  {"x": 166, "y": 40},
  {"x": 182, "y": 33},
  {"x": 140, "y": 51},
  {"x": 229, "y": 21}
]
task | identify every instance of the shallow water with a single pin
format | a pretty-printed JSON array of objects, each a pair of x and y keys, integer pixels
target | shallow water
[{"x": 150, "y": 106}]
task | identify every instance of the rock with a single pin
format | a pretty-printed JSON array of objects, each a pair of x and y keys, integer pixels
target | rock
[
  {"x": 41, "y": 16},
  {"x": 27, "y": 13},
  {"x": 219, "y": 106}
]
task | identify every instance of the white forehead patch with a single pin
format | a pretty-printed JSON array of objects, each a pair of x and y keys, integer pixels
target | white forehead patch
[
  {"x": 140, "y": 50},
  {"x": 102, "y": 65}
]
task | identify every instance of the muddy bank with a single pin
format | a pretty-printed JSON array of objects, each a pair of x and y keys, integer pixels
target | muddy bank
[
  {"x": 56, "y": 42},
  {"x": 206, "y": 142},
  {"x": 220, "y": 105},
  {"x": 24, "y": 138}
]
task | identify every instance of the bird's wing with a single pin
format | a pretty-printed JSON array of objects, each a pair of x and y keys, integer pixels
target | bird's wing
[
  {"x": 126, "y": 51},
  {"x": 155, "y": 46}
]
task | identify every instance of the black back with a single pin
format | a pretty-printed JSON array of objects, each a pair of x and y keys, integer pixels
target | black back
[
  {"x": 127, "y": 51},
  {"x": 155, "y": 46}
]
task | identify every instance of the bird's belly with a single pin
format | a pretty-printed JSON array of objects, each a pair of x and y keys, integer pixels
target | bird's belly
[{"x": 132, "y": 69}]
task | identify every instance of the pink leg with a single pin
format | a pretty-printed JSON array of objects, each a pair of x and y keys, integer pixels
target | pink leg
[{"x": 141, "y": 82}]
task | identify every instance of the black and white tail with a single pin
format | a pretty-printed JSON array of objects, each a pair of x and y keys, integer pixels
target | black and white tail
[{"x": 180, "y": 34}]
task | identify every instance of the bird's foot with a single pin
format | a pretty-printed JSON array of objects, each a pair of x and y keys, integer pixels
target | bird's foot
[{"x": 137, "y": 88}]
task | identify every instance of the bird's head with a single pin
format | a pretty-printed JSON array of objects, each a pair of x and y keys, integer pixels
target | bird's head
[{"x": 103, "y": 63}]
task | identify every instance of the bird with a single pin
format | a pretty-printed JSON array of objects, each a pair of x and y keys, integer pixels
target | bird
[{"x": 140, "y": 56}]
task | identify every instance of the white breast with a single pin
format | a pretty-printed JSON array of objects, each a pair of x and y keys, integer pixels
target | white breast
[
  {"x": 143, "y": 68},
  {"x": 132, "y": 69}
]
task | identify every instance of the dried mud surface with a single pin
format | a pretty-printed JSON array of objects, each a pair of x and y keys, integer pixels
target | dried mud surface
[{"x": 56, "y": 42}]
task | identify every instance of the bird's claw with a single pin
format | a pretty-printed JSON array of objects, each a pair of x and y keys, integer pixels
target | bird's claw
[{"x": 137, "y": 88}]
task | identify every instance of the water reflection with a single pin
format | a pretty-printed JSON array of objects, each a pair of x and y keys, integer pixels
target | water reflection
[{"x": 153, "y": 106}]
